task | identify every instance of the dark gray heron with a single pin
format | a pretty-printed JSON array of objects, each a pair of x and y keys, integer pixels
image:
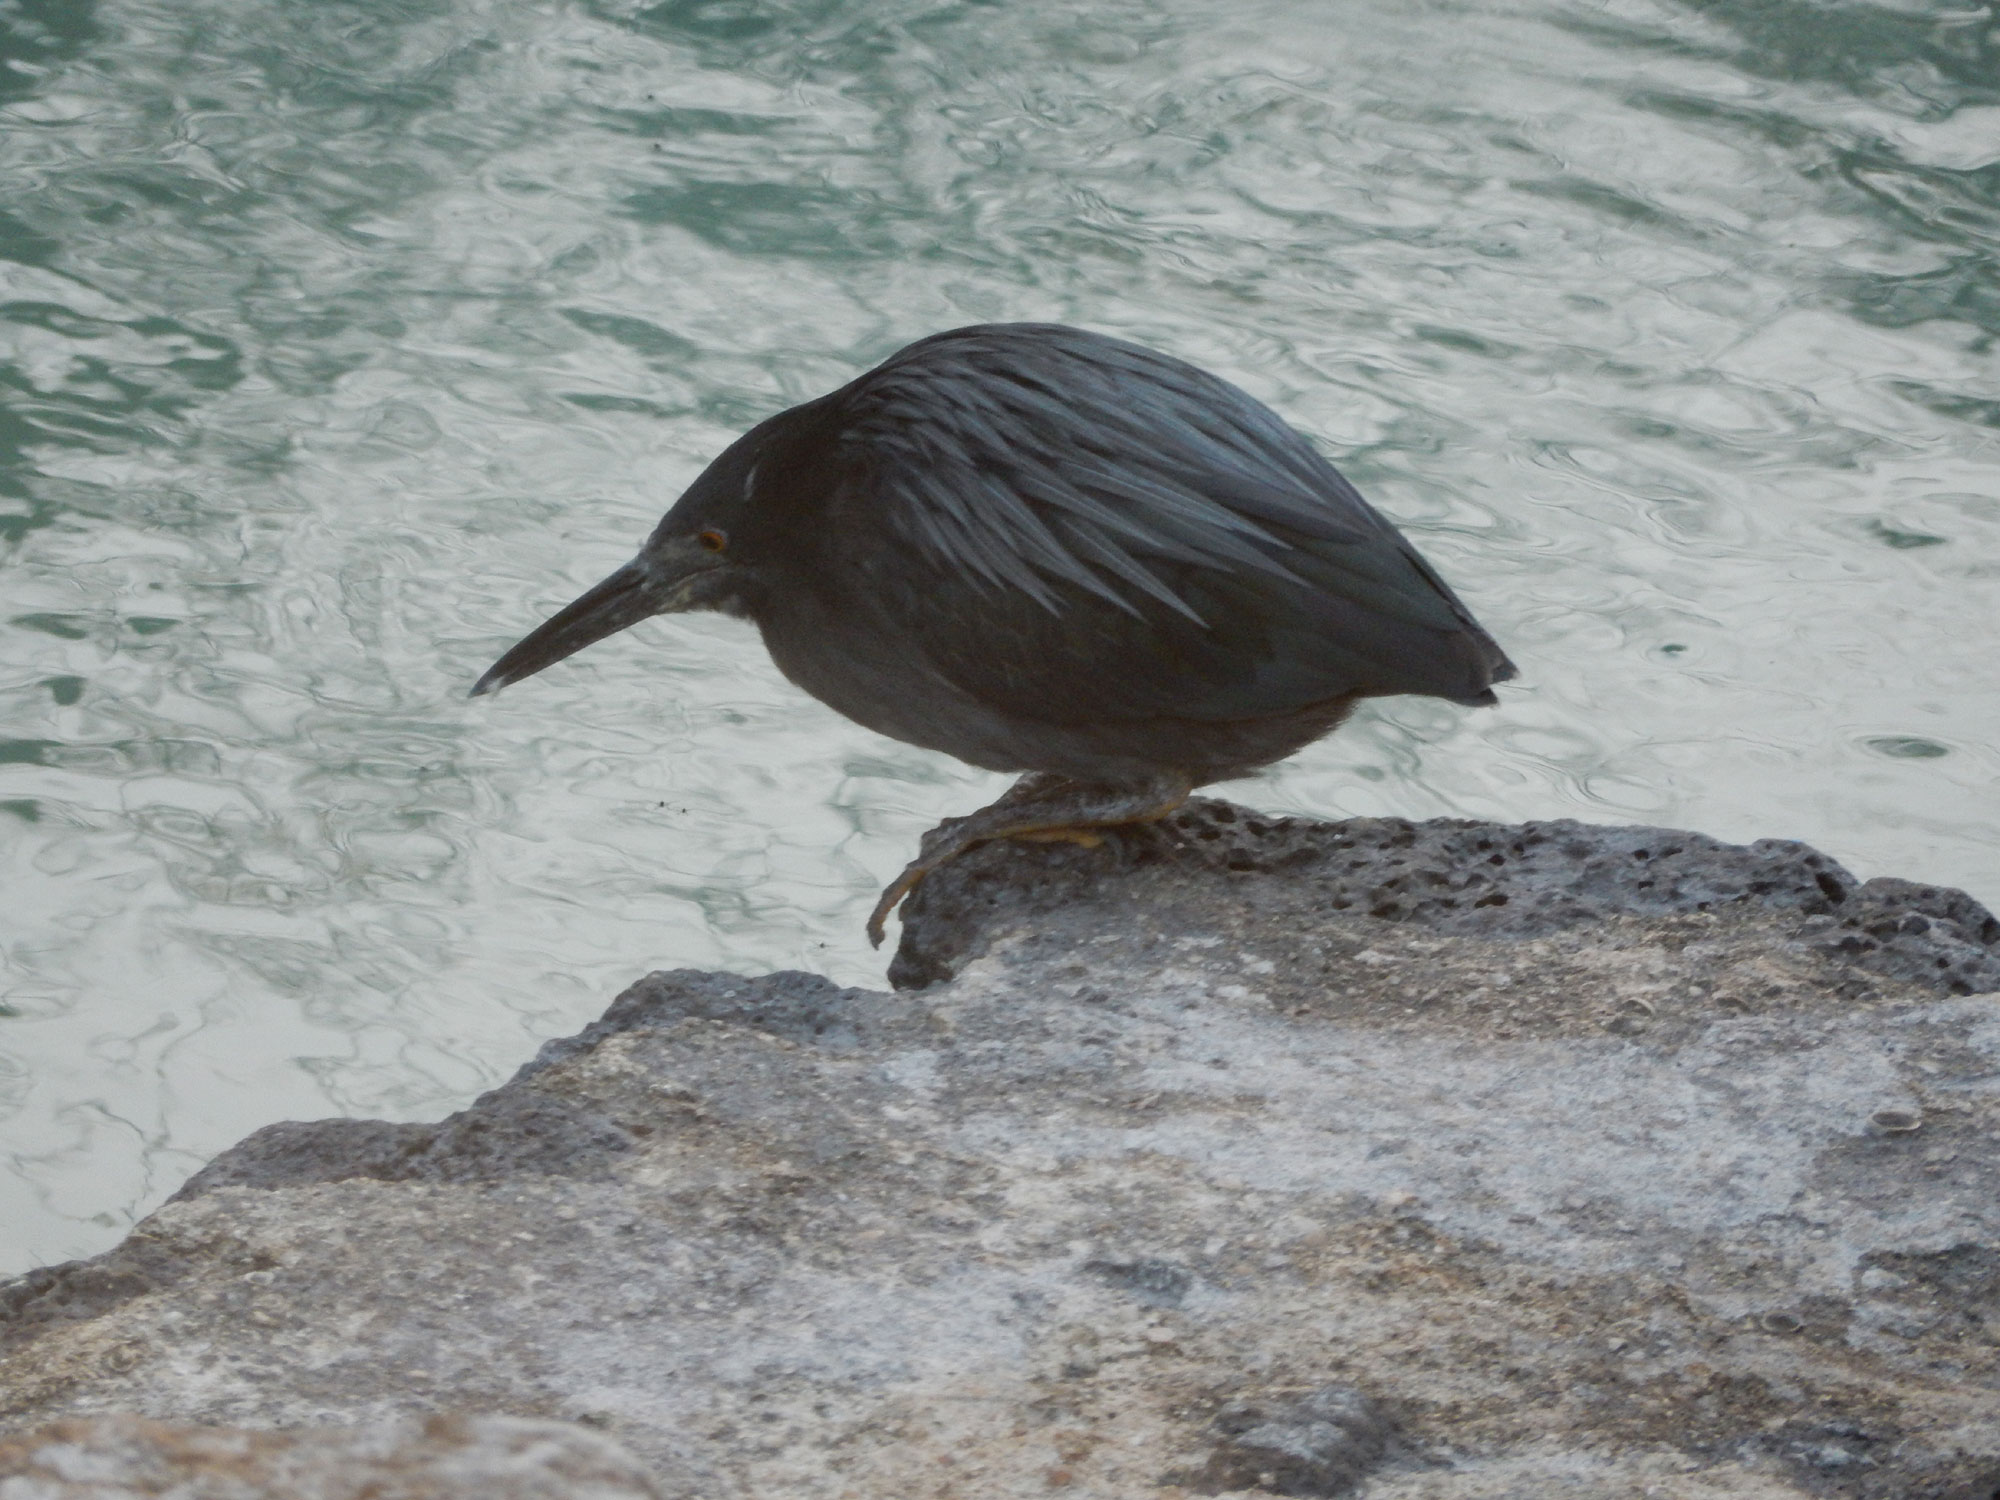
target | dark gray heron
[{"x": 1043, "y": 550}]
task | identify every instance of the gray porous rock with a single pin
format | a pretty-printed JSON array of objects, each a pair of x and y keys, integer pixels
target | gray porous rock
[
  {"x": 438, "y": 1458},
  {"x": 1470, "y": 879},
  {"x": 1319, "y": 1442},
  {"x": 1441, "y": 1161}
]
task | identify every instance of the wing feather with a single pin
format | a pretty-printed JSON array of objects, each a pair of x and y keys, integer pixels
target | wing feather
[{"x": 1090, "y": 528}]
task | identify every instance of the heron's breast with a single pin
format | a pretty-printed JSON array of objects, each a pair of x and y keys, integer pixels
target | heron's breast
[{"x": 853, "y": 661}]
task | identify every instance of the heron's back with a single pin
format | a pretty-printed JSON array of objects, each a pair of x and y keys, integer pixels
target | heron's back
[{"x": 1036, "y": 536}]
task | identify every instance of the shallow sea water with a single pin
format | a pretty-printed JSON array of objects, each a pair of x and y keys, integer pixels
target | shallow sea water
[{"x": 340, "y": 342}]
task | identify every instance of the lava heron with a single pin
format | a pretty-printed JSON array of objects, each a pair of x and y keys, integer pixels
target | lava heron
[{"x": 1047, "y": 551}]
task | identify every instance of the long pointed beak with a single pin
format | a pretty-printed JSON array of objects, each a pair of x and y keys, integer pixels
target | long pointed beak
[{"x": 625, "y": 598}]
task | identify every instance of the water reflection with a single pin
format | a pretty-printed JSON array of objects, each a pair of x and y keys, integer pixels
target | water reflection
[{"x": 338, "y": 343}]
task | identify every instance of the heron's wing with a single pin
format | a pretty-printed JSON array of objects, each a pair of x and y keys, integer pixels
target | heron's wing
[{"x": 1077, "y": 528}]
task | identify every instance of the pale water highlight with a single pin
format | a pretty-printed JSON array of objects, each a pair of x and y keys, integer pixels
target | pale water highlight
[{"x": 341, "y": 342}]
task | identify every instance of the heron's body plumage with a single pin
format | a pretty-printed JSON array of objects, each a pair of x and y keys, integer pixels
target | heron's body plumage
[
  {"x": 1041, "y": 549},
  {"x": 1121, "y": 554}
]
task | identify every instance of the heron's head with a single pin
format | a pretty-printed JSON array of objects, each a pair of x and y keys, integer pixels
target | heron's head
[{"x": 704, "y": 554}]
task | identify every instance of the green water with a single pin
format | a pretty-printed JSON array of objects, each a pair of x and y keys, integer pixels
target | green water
[{"x": 340, "y": 341}]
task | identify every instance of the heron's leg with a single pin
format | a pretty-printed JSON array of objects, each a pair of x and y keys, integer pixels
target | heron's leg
[{"x": 1040, "y": 808}]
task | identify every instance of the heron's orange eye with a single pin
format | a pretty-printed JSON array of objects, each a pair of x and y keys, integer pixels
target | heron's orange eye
[{"x": 712, "y": 540}]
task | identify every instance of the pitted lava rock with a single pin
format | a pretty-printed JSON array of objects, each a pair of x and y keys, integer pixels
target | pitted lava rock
[{"x": 1465, "y": 878}]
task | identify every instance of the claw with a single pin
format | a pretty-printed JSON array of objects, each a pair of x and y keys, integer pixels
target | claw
[{"x": 912, "y": 876}]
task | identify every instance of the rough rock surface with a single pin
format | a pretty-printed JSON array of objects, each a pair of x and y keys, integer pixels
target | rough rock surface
[
  {"x": 1414, "y": 1162},
  {"x": 443, "y": 1458},
  {"x": 1461, "y": 878}
]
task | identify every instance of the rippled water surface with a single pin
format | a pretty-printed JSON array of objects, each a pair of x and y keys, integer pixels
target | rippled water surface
[{"x": 340, "y": 341}]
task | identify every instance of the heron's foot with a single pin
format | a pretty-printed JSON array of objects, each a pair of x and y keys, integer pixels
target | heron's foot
[
  {"x": 1084, "y": 836},
  {"x": 1038, "y": 809}
]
